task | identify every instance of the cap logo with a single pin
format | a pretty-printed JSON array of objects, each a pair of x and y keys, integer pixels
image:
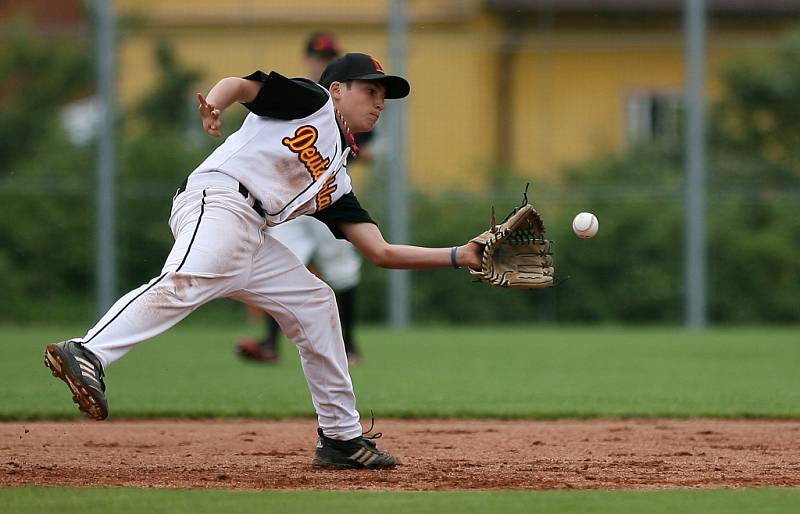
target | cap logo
[
  {"x": 377, "y": 65},
  {"x": 324, "y": 43}
]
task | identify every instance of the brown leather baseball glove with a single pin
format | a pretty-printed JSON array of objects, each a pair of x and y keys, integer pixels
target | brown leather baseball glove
[{"x": 515, "y": 253}]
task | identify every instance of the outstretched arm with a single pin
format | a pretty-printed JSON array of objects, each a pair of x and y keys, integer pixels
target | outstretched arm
[
  {"x": 221, "y": 96},
  {"x": 367, "y": 238}
]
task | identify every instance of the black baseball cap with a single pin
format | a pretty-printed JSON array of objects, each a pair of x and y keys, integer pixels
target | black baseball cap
[
  {"x": 323, "y": 45},
  {"x": 363, "y": 67}
]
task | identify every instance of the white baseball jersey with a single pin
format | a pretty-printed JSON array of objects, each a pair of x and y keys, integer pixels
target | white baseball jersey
[{"x": 292, "y": 167}]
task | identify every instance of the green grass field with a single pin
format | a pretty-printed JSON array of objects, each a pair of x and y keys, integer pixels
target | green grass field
[
  {"x": 439, "y": 372},
  {"x": 510, "y": 372},
  {"x": 137, "y": 501}
]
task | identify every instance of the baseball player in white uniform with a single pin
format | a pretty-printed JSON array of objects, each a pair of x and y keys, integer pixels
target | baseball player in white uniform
[{"x": 288, "y": 159}]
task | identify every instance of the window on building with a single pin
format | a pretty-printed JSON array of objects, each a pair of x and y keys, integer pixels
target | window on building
[{"x": 653, "y": 117}]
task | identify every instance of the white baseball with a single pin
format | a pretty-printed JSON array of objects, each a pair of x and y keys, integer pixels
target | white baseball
[{"x": 585, "y": 225}]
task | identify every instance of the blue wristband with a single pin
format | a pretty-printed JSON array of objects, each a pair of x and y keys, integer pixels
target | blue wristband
[{"x": 453, "y": 261}]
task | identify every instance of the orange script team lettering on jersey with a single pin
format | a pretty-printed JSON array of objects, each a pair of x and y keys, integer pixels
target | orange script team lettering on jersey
[{"x": 303, "y": 144}]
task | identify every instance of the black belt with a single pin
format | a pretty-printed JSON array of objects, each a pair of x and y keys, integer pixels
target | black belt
[{"x": 242, "y": 190}]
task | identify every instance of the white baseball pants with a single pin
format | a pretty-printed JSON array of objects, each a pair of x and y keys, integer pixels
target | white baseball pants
[{"x": 221, "y": 251}]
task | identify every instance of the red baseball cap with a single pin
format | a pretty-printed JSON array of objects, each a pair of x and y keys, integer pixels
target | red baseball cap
[{"x": 323, "y": 45}]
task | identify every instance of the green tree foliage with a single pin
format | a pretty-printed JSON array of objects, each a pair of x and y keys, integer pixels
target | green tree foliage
[
  {"x": 44, "y": 246},
  {"x": 169, "y": 104},
  {"x": 162, "y": 145},
  {"x": 756, "y": 125},
  {"x": 36, "y": 77},
  {"x": 47, "y": 182},
  {"x": 632, "y": 270},
  {"x": 755, "y": 189}
]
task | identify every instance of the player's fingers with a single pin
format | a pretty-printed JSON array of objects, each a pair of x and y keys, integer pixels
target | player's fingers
[{"x": 206, "y": 109}]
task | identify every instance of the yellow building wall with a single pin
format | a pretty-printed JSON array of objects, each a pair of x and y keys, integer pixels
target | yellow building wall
[
  {"x": 570, "y": 97},
  {"x": 569, "y": 82},
  {"x": 451, "y": 114}
]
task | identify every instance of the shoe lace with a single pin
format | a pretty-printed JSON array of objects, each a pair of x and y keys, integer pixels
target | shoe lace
[{"x": 367, "y": 435}]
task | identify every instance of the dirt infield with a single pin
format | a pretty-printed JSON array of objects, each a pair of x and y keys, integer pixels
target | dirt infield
[{"x": 433, "y": 454}]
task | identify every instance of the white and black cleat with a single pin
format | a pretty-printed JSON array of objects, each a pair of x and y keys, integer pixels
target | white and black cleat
[
  {"x": 82, "y": 372},
  {"x": 358, "y": 453}
]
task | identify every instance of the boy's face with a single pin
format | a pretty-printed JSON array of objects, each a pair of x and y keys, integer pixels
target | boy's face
[{"x": 361, "y": 104}]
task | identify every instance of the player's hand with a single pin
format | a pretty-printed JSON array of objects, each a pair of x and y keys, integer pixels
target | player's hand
[
  {"x": 210, "y": 116},
  {"x": 469, "y": 255}
]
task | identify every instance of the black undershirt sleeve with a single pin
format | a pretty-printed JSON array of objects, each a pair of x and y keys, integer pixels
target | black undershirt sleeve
[
  {"x": 344, "y": 210},
  {"x": 283, "y": 98}
]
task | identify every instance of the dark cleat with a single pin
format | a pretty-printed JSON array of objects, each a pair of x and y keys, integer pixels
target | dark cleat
[
  {"x": 353, "y": 358},
  {"x": 358, "y": 453},
  {"x": 82, "y": 372},
  {"x": 254, "y": 351}
]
